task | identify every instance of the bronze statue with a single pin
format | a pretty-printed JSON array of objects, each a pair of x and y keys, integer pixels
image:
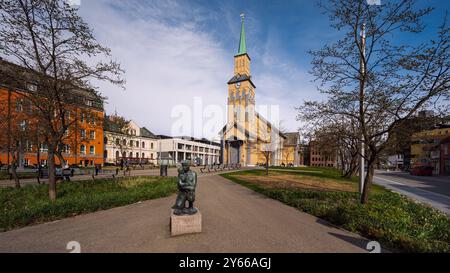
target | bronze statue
[{"x": 187, "y": 181}]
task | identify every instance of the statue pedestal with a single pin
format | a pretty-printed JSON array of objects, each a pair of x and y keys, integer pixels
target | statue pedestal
[{"x": 185, "y": 224}]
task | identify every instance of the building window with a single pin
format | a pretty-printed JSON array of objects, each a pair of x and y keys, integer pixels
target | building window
[
  {"x": 44, "y": 148},
  {"x": 23, "y": 125},
  {"x": 117, "y": 154},
  {"x": 131, "y": 154},
  {"x": 83, "y": 133},
  {"x": 131, "y": 143},
  {"x": 83, "y": 149},
  {"x": 66, "y": 149},
  {"x": 151, "y": 145},
  {"x": 137, "y": 143},
  {"x": 151, "y": 156},
  {"x": 92, "y": 134},
  {"x": 82, "y": 117},
  {"x": 19, "y": 106},
  {"x": 143, "y": 144},
  {"x": 105, "y": 140},
  {"x": 137, "y": 155},
  {"x": 143, "y": 155},
  {"x": 124, "y": 142},
  {"x": 92, "y": 150},
  {"x": 117, "y": 141}
]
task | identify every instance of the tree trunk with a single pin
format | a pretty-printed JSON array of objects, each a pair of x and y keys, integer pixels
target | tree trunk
[
  {"x": 9, "y": 130},
  {"x": 38, "y": 158},
  {"x": 343, "y": 162},
  {"x": 51, "y": 172},
  {"x": 367, "y": 182},
  {"x": 14, "y": 171},
  {"x": 353, "y": 167},
  {"x": 267, "y": 166}
]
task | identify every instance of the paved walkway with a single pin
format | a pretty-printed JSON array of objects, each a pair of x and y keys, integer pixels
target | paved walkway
[{"x": 235, "y": 219}]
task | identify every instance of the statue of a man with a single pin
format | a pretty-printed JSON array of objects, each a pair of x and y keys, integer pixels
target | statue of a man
[{"x": 187, "y": 181}]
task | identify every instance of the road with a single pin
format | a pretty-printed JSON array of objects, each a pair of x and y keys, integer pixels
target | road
[
  {"x": 432, "y": 190},
  {"x": 235, "y": 219}
]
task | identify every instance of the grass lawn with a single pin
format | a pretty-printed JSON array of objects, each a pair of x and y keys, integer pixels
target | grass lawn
[
  {"x": 389, "y": 218},
  {"x": 31, "y": 205}
]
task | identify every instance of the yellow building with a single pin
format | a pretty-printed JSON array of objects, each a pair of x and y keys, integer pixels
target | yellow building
[
  {"x": 425, "y": 147},
  {"x": 248, "y": 138}
]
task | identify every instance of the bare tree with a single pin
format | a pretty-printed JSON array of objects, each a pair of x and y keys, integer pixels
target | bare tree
[
  {"x": 18, "y": 128},
  {"x": 120, "y": 126},
  {"x": 372, "y": 78},
  {"x": 267, "y": 151},
  {"x": 54, "y": 44}
]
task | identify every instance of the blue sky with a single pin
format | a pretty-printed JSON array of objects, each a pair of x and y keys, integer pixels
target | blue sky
[{"x": 176, "y": 50}]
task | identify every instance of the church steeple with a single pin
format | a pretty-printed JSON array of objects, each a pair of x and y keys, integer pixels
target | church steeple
[
  {"x": 241, "y": 59},
  {"x": 242, "y": 47}
]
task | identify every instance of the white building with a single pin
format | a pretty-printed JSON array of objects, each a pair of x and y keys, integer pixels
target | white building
[
  {"x": 395, "y": 161},
  {"x": 199, "y": 151},
  {"x": 137, "y": 146}
]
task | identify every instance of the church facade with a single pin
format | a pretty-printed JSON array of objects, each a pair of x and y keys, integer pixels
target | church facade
[{"x": 248, "y": 138}]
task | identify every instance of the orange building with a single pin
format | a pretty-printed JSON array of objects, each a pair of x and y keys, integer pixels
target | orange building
[{"x": 83, "y": 141}]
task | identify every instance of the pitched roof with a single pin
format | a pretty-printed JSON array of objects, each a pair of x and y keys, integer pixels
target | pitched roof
[
  {"x": 147, "y": 133},
  {"x": 269, "y": 125},
  {"x": 241, "y": 78}
]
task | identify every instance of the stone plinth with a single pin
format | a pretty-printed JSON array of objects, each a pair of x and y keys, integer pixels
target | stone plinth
[{"x": 185, "y": 224}]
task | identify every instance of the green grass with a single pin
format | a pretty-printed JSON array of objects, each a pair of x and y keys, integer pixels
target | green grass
[
  {"x": 31, "y": 205},
  {"x": 324, "y": 173},
  {"x": 389, "y": 218}
]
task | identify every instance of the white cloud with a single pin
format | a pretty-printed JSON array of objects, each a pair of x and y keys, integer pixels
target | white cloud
[{"x": 167, "y": 62}]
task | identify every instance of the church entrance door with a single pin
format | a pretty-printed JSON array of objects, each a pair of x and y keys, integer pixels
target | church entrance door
[{"x": 235, "y": 148}]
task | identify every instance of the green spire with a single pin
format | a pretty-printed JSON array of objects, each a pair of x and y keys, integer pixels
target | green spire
[{"x": 242, "y": 47}]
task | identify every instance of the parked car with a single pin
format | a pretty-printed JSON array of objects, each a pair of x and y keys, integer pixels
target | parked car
[{"x": 421, "y": 170}]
